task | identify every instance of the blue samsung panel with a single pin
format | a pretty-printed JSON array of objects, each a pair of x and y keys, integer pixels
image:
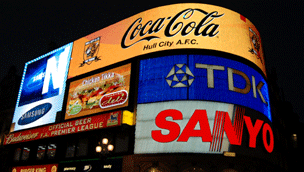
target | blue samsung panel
[
  {"x": 202, "y": 77},
  {"x": 42, "y": 89},
  {"x": 33, "y": 83}
]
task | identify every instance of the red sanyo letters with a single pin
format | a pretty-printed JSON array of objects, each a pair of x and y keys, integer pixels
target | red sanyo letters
[{"x": 200, "y": 116}]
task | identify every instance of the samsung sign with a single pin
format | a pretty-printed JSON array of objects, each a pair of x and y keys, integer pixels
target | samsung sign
[
  {"x": 42, "y": 89},
  {"x": 202, "y": 77}
]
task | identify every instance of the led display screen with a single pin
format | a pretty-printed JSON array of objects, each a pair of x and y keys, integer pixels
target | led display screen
[
  {"x": 75, "y": 126},
  {"x": 108, "y": 165},
  {"x": 42, "y": 89},
  {"x": 202, "y": 77},
  {"x": 100, "y": 92},
  {"x": 44, "y": 168},
  {"x": 201, "y": 127},
  {"x": 171, "y": 27}
]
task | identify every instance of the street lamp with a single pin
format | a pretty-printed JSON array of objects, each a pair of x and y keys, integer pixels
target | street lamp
[{"x": 105, "y": 147}]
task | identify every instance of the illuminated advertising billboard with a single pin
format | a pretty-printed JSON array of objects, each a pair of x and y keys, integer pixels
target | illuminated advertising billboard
[
  {"x": 107, "y": 165},
  {"x": 100, "y": 92},
  {"x": 34, "y": 168},
  {"x": 75, "y": 126},
  {"x": 42, "y": 89},
  {"x": 201, "y": 127},
  {"x": 202, "y": 77},
  {"x": 178, "y": 26}
]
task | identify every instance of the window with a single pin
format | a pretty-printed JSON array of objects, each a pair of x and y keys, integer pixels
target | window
[
  {"x": 17, "y": 154},
  {"x": 70, "y": 152},
  {"x": 82, "y": 148},
  {"x": 25, "y": 153},
  {"x": 41, "y": 152},
  {"x": 51, "y": 152}
]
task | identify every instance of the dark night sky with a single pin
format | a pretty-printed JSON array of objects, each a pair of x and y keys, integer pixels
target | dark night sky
[{"x": 28, "y": 29}]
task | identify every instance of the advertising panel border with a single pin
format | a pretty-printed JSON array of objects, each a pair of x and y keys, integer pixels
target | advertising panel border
[
  {"x": 171, "y": 27},
  {"x": 98, "y": 92},
  {"x": 202, "y": 77},
  {"x": 202, "y": 127},
  {"x": 42, "y": 89},
  {"x": 74, "y": 126}
]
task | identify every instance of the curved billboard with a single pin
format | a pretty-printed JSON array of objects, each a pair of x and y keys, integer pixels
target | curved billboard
[
  {"x": 178, "y": 26},
  {"x": 202, "y": 77},
  {"x": 202, "y": 127}
]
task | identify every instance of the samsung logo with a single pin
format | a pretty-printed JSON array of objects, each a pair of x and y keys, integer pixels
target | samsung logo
[{"x": 34, "y": 114}]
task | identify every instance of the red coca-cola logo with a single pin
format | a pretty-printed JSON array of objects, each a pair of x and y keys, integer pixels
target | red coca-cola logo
[{"x": 113, "y": 99}]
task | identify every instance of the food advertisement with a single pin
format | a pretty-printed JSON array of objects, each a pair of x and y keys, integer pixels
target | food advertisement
[{"x": 100, "y": 92}]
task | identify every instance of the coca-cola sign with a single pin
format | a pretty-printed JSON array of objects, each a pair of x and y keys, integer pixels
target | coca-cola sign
[
  {"x": 170, "y": 27},
  {"x": 181, "y": 24}
]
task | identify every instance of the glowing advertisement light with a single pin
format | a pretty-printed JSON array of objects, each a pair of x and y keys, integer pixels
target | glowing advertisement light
[
  {"x": 100, "y": 92},
  {"x": 201, "y": 127},
  {"x": 42, "y": 89},
  {"x": 202, "y": 77},
  {"x": 171, "y": 27}
]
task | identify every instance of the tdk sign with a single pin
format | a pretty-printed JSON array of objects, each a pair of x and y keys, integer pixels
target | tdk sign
[
  {"x": 202, "y": 77},
  {"x": 42, "y": 89},
  {"x": 180, "y": 76}
]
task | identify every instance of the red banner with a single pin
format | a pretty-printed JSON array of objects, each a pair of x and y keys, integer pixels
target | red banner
[
  {"x": 70, "y": 127},
  {"x": 37, "y": 168}
]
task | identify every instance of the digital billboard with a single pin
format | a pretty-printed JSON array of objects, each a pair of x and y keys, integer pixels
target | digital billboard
[
  {"x": 75, "y": 126},
  {"x": 100, "y": 92},
  {"x": 42, "y": 89},
  {"x": 201, "y": 127},
  {"x": 202, "y": 77},
  {"x": 178, "y": 26},
  {"x": 36, "y": 168},
  {"x": 107, "y": 165}
]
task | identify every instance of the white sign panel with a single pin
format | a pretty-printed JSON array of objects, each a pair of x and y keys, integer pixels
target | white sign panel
[{"x": 182, "y": 126}]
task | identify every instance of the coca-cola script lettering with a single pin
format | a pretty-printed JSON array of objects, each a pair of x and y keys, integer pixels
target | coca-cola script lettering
[{"x": 172, "y": 28}]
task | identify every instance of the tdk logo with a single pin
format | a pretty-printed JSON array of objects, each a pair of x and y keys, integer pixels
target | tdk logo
[
  {"x": 180, "y": 76},
  {"x": 202, "y": 77}
]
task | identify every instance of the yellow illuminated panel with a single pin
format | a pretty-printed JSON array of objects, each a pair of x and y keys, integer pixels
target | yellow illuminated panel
[{"x": 179, "y": 26}]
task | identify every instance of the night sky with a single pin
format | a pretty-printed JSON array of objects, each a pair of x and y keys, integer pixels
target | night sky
[{"x": 29, "y": 30}]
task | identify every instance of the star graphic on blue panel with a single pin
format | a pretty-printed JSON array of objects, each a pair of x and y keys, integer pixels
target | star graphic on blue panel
[{"x": 180, "y": 76}]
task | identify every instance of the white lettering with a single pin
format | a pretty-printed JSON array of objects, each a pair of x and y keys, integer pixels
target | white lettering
[{"x": 56, "y": 69}]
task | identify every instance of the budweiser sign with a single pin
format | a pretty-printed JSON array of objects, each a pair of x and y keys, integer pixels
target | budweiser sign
[{"x": 70, "y": 127}]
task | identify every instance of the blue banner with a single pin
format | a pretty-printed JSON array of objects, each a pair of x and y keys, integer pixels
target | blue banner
[
  {"x": 202, "y": 77},
  {"x": 42, "y": 89}
]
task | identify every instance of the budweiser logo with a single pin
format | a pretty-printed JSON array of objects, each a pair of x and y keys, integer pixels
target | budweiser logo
[{"x": 12, "y": 138}]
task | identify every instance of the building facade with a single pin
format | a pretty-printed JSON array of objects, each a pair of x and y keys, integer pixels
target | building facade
[{"x": 181, "y": 87}]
